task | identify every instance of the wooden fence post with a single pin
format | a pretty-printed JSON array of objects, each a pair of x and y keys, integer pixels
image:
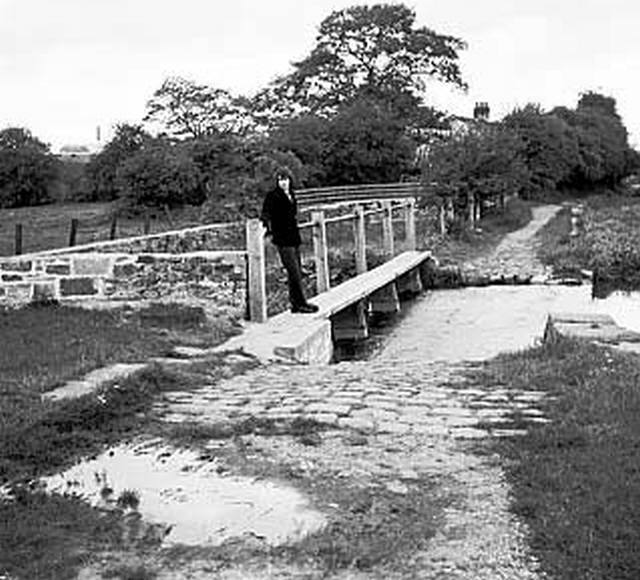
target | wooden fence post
[
  {"x": 256, "y": 282},
  {"x": 320, "y": 251},
  {"x": 387, "y": 229},
  {"x": 18, "y": 239},
  {"x": 410, "y": 224},
  {"x": 113, "y": 227},
  {"x": 442, "y": 218},
  {"x": 73, "y": 231},
  {"x": 360, "y": 237}
]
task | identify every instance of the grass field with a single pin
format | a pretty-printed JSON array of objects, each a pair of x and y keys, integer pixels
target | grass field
[
  {"x": 44, "y": 536},
  {"x": 48, "y": 226},
  {"x": 576, "y": 480}
]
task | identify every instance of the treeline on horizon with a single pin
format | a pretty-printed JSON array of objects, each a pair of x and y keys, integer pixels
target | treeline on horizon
[{"x": 333, "y": 120}]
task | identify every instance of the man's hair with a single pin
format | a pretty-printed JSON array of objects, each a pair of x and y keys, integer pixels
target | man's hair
[{"x": 283, "y": 172}]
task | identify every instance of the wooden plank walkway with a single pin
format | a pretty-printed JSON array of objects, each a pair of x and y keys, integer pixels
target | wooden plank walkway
[
  {"x": 307, "y": 338},
  {"x": 358, "y": 288}
]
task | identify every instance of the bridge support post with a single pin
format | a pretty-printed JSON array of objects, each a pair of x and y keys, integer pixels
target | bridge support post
[
  {"x": 351, "y": 322},
  {"x": 360, "y": 237},
  {"x": 410, "y": 224},
  {"x": 385, "y": 300},
  {"x": 256, "y": 283},
  {"x": 387, "y": 229},
  {"x": 320, "y": 251},
  {"x": 410, "y": 283}
]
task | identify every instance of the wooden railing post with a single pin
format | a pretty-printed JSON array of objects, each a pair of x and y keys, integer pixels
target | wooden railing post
[
  {"x": 320, "y": 251},
  {"x": 360, "y": 237},
  {"x": 387, "y": 229},
  {"x": 256, "y": 283},
  {"x": 410, "y": 224}
]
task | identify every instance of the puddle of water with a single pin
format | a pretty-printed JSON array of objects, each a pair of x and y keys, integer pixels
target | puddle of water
[
  {"x": 199, "y": 506},
  {"x": 479, "y": 323}
]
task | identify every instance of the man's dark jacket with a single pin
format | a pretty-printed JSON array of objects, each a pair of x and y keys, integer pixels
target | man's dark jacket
[{"x": 279, "y": 216}]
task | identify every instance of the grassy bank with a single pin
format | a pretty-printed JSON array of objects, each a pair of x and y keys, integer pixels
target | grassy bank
[
  {"x": 43, "y": 346},
  {"x": 44, "y": 536},
  {"x": 576, "y": 480},
  {"x": 50, "y": 536},
  {"x": 609, "y": 243}
]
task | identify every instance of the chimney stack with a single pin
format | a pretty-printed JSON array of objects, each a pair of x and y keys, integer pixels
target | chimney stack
[{"x": 481, "y": 111}]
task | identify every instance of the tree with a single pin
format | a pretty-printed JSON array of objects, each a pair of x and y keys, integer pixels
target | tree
[
  {"x": 482, "y": 165},
  {"x": 366, "y": 50},
  {"x": 160, "y": 174},
  {"x": 306, "y": 137},
  {"x": 103, "y": 168},
  {"x": 366, "y": 143},
  {"x": 27, "y": 168},
  {"x": 550, "y": 151},
  {"x": 604, "y": 152},
  {"x": 183, "y": 108}
]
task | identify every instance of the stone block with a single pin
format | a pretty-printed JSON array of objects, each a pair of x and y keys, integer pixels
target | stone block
[
  {"x": 83, "y": 286},
  {"x": 92, "y": 265},
  {"x": 12, "y": 278},
  {"x": 18, "y": 292},
  {"x": 146, "y": 259},
  {"x": 17, "y": 265},
  {"x": 45, "y": 291},
  {"x": 60, "y": 269},
  {"x": 2, "y": 291}
]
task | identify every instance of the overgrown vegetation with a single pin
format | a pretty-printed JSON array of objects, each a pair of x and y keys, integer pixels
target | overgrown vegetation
[
  {"x": 608, "y": 243},
  {"x": 576, "y": 480}
]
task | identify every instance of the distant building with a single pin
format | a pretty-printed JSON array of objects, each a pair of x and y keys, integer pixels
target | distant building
[
  {"x": 77, "y": 153},
  {"x": 455, "y": 125}
]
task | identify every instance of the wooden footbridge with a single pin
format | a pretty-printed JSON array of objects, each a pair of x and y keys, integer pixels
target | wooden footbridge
[{"x": 343, "y": 309}]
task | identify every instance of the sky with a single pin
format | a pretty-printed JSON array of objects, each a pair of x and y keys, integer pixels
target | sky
[{"x": 69, "y": 66}]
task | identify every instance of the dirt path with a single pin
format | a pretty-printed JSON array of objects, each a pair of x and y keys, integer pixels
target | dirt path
[
  {"x": 516, "y": 253},
  {"x": 390, "y": 455}
]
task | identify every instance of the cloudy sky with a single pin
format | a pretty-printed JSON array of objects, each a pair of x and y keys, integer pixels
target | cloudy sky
[{"x": 68, "y": 66}]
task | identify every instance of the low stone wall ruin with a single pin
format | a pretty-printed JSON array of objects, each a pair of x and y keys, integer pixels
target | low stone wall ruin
[{"x": 220, "y": 276}]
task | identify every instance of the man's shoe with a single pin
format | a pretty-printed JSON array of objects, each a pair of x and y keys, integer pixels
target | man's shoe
[{"x": 305, "y": 309}]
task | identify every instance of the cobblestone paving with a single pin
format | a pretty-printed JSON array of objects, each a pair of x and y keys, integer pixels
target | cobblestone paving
[
  {"x": 419, "y": 418},
  {"x": 381, "y": 396},
  {"x": 515, "y": 254}
]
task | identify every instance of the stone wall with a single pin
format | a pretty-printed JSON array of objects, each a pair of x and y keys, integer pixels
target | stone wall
[{"x": 219, "y": 276}]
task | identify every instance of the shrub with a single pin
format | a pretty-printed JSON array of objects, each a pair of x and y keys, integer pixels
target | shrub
[{"x": 160, "y": 174}]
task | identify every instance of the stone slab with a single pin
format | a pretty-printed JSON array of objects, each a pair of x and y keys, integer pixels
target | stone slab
[
  {"x": 600, "y": 328},
  {"x": 93, "y": 381}
]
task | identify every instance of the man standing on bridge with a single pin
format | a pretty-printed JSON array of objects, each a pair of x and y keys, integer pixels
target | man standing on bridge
[{"x": 279, "y": 216}]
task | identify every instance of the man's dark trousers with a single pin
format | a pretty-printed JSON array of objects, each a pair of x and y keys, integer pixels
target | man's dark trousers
[{"x": 290, "y": 256}]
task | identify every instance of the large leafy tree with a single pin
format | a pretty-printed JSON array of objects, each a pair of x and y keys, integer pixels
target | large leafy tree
[
  {"x": 27, "y": 168},
  {"x": 550, "y": 152},
  {"x": 604, "y": 152},
  {"x": 182, "y": 108},
  {"x": 376, "y": 50}
]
